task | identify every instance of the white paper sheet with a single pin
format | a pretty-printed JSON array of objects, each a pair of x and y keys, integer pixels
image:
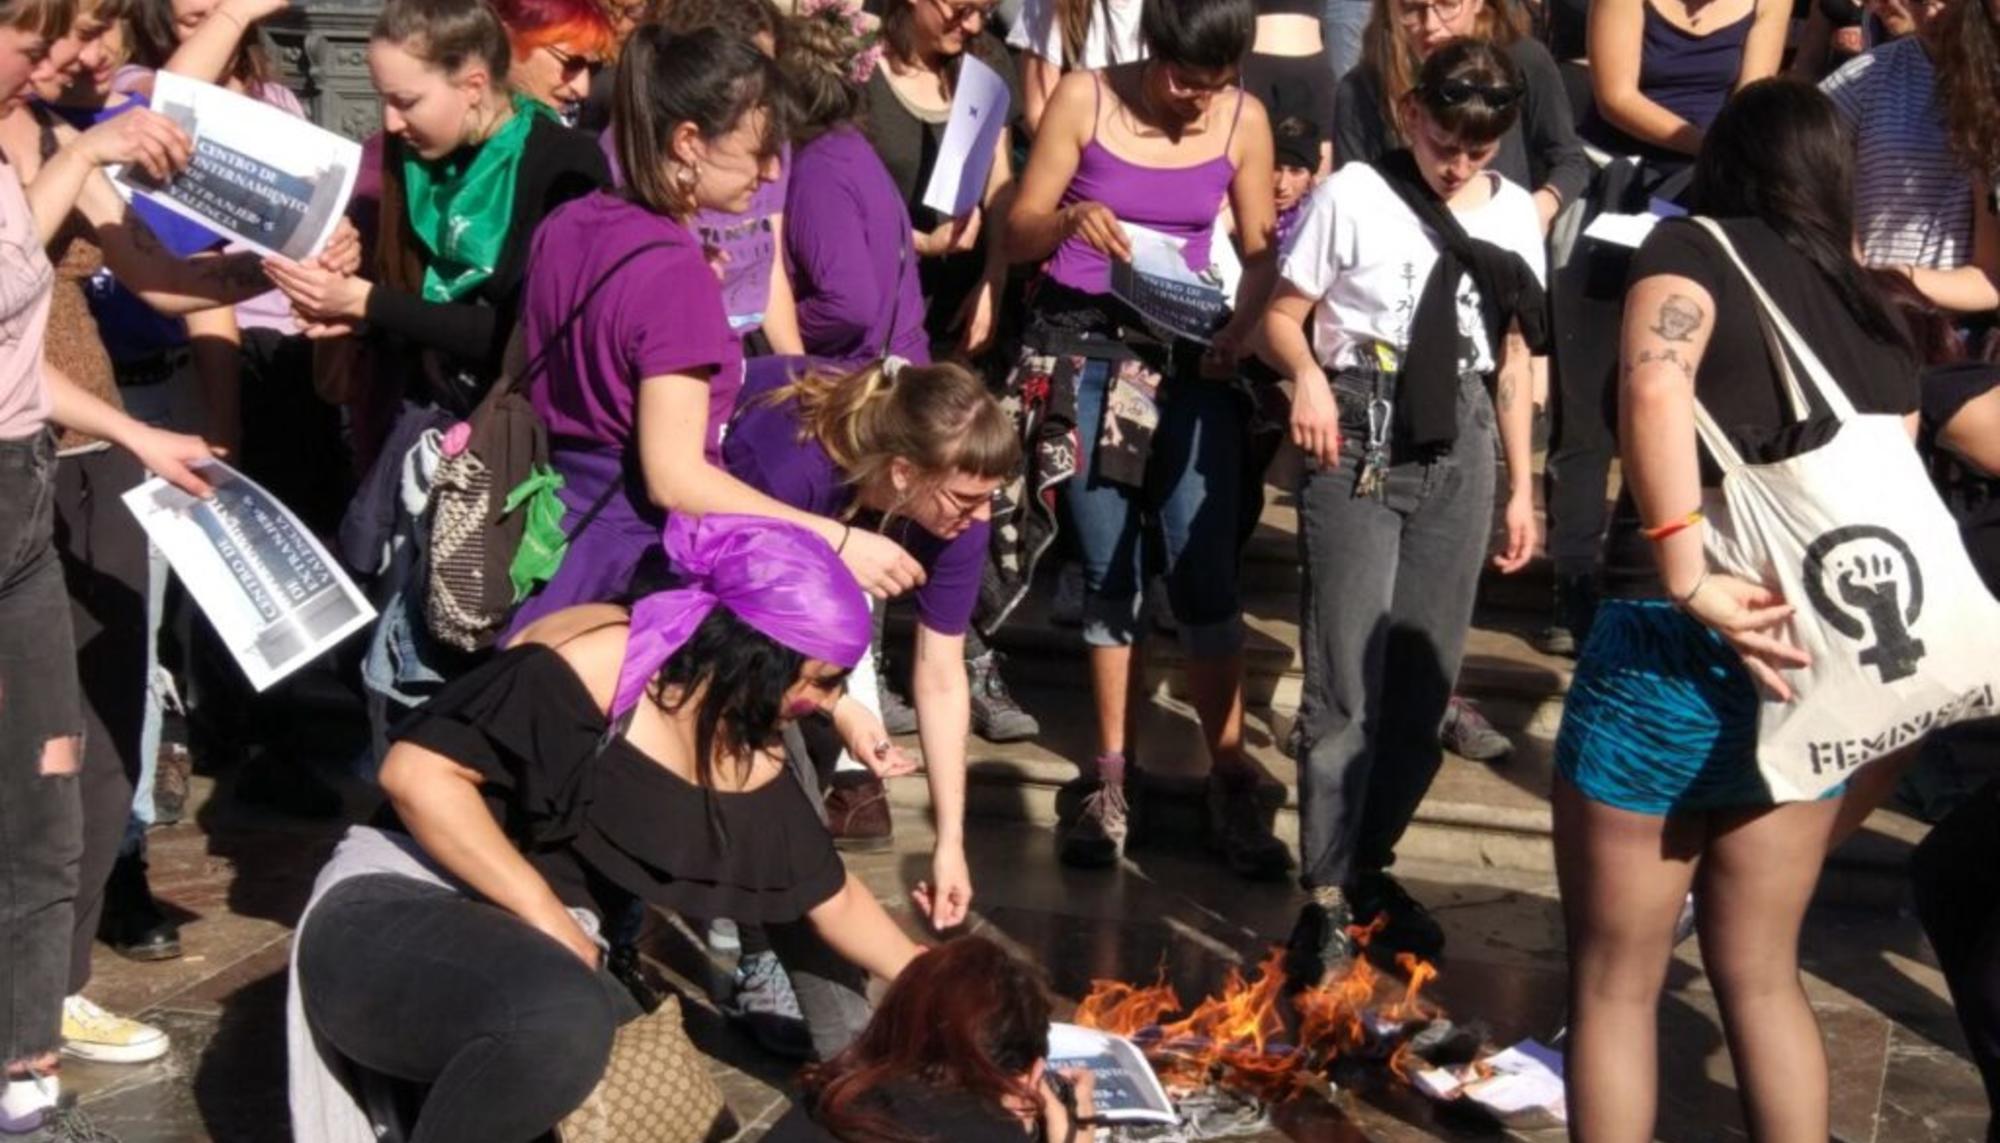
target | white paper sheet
[
  {"x": 1160, "y": 286},
  {"x": 275, "y": 596},
  {"x": 258, "y": 174},
  {"x": 965, "y": 154},
  {"x": 1128, "y": 1090}
]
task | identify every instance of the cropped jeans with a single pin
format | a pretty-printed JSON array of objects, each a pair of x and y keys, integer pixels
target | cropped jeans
[
  {"x": 41, "y": 807},
  {"x": 1191, "y": 503}
]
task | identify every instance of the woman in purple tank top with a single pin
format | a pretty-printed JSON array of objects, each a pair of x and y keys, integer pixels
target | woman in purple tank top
[{"x": 1158, "y": 419}]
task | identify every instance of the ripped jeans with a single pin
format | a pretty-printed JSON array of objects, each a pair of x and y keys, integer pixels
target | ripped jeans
[{"x": 41, "y": 812}]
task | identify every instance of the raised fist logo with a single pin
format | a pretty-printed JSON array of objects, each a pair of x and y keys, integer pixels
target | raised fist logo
[{"x": 1864, "y": 579}]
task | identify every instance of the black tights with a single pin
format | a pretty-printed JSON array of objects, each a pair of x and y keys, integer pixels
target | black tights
[{"x": 1957, "y": 875}]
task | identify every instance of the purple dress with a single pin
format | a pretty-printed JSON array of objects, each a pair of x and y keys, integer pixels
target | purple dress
[
  {"x": 851, "y": 254},
  {"x": 661, "y": 313},
  {"x": 763, "y": 450}
]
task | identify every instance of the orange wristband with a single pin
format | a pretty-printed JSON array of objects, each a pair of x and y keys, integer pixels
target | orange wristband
[{"x": 1673, "y": 526}]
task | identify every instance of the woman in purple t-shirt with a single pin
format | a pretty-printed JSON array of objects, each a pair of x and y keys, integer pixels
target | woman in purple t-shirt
[
  {"x": 915, "y": 453},
  {"x": 634, "y": 366}
]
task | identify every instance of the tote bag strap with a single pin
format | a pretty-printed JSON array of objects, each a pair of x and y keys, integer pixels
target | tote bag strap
[{"x": 1786, "y": 337}]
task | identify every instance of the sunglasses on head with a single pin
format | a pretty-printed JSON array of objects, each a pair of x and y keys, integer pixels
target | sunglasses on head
[{"x": 1453, "y": 92}]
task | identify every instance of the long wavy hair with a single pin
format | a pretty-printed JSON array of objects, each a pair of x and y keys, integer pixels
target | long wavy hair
[
  {"x": 1389, "y": 53},
  {"x": 1781, "y": 153},
  {"x": 1965, "y": 48},
  {"x": 964, "y": 1017}
]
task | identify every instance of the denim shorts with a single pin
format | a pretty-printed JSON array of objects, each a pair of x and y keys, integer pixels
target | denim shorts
[{"x": 1661, "y": 717}]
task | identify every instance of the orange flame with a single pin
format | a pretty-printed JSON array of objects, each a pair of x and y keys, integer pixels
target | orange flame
[{"x": 1240, "y": 1038}]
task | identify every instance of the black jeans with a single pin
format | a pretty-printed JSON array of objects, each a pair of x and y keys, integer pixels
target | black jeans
[
  {"x": 507, "y": 1029},
  {"x": 1385, "y": 607},
  {"x": 41, "y": 830},
  {"x": 104, "y": 563},
  {"x": 1957, "y": 875}
]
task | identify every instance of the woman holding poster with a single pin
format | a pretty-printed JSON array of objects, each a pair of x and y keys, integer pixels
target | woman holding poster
[
  {"x": 1153, "y": 147},
  {"x": 42, "y": 727}
]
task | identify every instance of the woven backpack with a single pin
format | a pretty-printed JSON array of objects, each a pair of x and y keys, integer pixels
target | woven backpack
[{"x": 484, "y": 496}]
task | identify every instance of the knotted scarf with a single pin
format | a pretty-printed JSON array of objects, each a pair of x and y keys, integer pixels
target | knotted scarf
[
  {"x": 1427, "y": 381},
  {"x": 460, "y": 206},
  {"x": 778, "y": 578}
]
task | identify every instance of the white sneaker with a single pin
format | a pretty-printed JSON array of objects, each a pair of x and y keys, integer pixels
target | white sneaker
[
  {"x": 91, "y": 1033},
  {"x": 26, "y": 1103}
]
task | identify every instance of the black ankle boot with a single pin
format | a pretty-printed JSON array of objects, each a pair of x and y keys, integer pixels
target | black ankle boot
[
  {"x": 133, "y": 924},
  {"x": 1575, "y": 607}
]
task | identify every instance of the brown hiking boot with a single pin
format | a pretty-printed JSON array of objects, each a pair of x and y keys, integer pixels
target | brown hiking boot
[{"x": 857, "y": 813}]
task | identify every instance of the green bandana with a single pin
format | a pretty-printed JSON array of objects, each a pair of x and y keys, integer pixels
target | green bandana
[
  {"x": 461, "y": 204},
  {"x": 543, "y": 544}
]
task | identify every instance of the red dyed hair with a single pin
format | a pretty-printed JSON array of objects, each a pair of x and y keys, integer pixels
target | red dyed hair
[
  {"x": 964, "y": 1016},
  {"x": 579, "y": 25}
]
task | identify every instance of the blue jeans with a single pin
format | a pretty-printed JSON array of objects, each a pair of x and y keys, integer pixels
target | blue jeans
[
  {"x": 1342, "y": 25},
  {"x": 1192, "y": 496}
]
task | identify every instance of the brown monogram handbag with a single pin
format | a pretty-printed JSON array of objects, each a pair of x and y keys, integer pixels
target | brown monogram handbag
[{"x": 656, "y": 1089}]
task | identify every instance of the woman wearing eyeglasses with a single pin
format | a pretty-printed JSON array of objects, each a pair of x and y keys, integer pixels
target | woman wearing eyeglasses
[
  {"x": 1160, "y": 144},
  {"x": 1540, "y": 152},
  {"x": 558, "y": 47},
  {"x": 961, "y": 264},
  {"x": 1421, "y": 274}
]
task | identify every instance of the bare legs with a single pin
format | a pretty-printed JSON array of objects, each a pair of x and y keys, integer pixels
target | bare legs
[{"x": 1623, "y": 878}]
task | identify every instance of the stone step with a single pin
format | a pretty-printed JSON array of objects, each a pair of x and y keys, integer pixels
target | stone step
[
  {"x": 1520, "y": 688},
  {"x": 1495, "y": 816}
]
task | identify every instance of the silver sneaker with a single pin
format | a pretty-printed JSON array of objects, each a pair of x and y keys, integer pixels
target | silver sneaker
[
  {"x": 767, "y": 1007},
  {"x": 1097, "y": 837}
]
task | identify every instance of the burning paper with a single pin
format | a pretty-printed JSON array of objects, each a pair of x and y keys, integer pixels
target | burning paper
[{"x": 1521, "y": 1086}]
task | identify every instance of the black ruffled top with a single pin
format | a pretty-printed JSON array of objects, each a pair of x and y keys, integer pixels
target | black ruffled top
[{"x": 604, "y": 822}]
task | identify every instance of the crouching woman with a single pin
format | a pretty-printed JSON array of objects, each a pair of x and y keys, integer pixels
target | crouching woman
[{"x": 454, "y": 943}]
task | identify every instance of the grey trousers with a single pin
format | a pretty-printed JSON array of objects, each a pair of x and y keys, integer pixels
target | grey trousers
[{"x": 1386, "y": 602}]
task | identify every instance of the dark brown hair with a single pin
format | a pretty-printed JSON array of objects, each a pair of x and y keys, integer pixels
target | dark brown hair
[
  {"x": 666, "y": 78},
  {"x": 965, "y": 1016},
  {"x": 49, "y": 19},
  {"x": 1472, "y": 119},
  {"x": 1390, "y": 56},
  {"x": 1780, "y": 152},
  {"x": 1965, "y": 47}
]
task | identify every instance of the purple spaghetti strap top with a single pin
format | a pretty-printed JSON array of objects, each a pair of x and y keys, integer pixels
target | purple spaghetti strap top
[{"x": 1181, "y": 201}]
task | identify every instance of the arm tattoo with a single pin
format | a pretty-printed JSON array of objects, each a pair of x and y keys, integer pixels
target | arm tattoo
[
  {"x": 1665, "y": 357},
  {"x": 1679, "y": 318},
  {"x": 232, "y": 273}
]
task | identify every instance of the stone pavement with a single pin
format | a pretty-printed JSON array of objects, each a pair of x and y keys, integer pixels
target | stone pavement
[{"x": 239, "y": 877}]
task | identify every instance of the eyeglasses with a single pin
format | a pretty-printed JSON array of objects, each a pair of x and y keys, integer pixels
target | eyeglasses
[
  {"x": 965, "y": 504},
  {"x": 571, "y": 63},
  {"x": 1453, "y": 92},
  {"x": 959, "y": 15},
  {"x": 1414, "y": 15}
]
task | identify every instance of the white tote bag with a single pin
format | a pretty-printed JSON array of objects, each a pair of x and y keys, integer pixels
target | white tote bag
[{"x": 1904, "y": 637}]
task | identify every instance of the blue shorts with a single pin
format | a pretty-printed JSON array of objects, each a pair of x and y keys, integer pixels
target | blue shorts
[{"x": 1661, "y": 717}]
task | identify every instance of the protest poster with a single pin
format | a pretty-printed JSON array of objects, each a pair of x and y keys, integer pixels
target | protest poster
[
  {"x": 266, "y": 178},
  {"x": 979, "y": 106},
  {"x": 274, "y": 595},
  {"x": 1159, "y": 285}
]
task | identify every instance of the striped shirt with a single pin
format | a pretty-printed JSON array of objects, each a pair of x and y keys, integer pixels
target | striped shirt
[{"x": 1912, "y": 198}]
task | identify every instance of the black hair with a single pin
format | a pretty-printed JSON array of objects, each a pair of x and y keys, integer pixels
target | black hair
[
  {"x": 1780, "y": 152},
  {"x": 1471, "y": 90},
  {"x": 1206, "y": 34},
  {"x": 149, "y": 33},
  {"x": 706, "y": 77},
  {"x": 739, "y": 675}
]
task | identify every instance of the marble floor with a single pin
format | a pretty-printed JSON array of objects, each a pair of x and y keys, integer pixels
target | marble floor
[{"x": 238, "y": 878}]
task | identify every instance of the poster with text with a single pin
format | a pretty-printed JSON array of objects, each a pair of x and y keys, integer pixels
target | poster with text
[
  {"x": 275, "y": 596},
  {"x": 257, "y": 174},
  {"x": 1158, "y": 284}
]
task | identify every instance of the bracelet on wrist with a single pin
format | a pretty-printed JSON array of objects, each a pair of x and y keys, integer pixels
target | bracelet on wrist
[
  {"x": 1674, "y": 527},
  {"x": 846, "y": 530},
  {"x": 1682, "y": 601}
]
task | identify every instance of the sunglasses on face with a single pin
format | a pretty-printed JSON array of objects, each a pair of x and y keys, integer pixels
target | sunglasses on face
[
  {"x": 1453, "y": 92},
  {"x": 571, "y": 63}
]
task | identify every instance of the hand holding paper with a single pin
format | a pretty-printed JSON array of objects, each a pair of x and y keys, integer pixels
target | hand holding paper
[
  {"x": 1094, "y": 223},
  {"x": 965, "y": 155},
  {"x": 139, "y": 137}
]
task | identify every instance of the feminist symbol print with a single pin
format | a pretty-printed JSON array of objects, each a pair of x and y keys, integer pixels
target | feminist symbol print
[{"x": 1863, "y": 579}]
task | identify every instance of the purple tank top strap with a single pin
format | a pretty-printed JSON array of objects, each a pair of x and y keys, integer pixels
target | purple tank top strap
[{"x": 1237, "y": 118}]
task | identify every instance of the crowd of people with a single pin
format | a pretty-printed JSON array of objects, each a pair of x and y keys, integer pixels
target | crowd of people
[{"x": 688, "y": 245}]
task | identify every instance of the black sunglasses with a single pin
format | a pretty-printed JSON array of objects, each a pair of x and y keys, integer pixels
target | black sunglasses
[{"x": 1453, "y": 92}]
